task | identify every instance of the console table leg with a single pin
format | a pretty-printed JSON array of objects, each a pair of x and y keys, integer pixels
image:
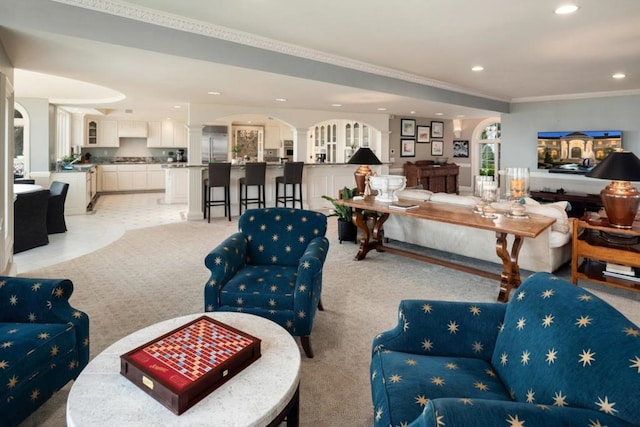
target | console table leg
[
  {"x": 372, "y": 238},
  {"x": 510, "y": 277}
]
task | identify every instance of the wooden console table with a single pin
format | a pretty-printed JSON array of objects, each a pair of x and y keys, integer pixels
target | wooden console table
[{"x": 377, "y": 213}]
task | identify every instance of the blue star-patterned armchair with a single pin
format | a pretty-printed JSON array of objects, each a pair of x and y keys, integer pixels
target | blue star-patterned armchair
[
  {"x": 555, "y": 355},
  {"x": 272, "y": 268},
  {"x": 44, "y": 343}
]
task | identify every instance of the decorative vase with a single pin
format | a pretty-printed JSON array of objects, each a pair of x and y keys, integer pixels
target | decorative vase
[
  {"x": 387, "y": 186},
  {"x": 347, "y": 231}
]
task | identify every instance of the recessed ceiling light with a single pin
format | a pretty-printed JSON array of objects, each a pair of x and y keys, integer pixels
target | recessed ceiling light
[
  {"x": 412, "y": 112},
  {"x": 566, "y": 9},
  {"x": 382, "y": 109},
  {"x": 439, "y": 114},
  {"x": 336, "y": 105},
  {"x": 214, "y": 93},
  {"x": 177, "y": 106},
  {"x": 477, "y": 68},
  {"x": 281, "y": 99},
  {"x": 619, "y": 76}
]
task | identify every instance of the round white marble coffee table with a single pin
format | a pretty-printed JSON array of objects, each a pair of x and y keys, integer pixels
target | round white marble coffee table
[{"x": 263, "y": 393}]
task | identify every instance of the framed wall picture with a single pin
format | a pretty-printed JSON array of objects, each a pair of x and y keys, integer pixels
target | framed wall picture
[
  {"x": 407, "y": 148},
  {"x": 437, "y": 130},
  {"x": 423, "y": 134},
  {"x": 437, "y": 147},
  {"x": 408, "y": 127},
  {"x": 460, "y": 148}
]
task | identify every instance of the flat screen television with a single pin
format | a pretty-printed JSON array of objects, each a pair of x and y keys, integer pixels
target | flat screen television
[{"x": 576, "y": 151}]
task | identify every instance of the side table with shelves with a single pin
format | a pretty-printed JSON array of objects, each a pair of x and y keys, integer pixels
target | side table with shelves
[{"x": 595, "y": 243}]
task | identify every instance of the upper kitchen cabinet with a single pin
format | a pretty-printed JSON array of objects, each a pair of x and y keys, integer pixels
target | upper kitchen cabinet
[
  {"x": 272, "y": 137},
  {"x": 102, "y": 133},
  {"x": 154, "y": 136},
  {"x": 172, "y": 134},
  {"x": 132, "y": 129}
]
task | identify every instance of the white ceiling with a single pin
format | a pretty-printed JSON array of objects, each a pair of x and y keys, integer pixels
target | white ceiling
[{"x": 414, "y": 55}]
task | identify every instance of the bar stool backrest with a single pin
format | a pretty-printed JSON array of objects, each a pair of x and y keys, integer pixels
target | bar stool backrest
[
  {"x": 255, "y": 173},
  {"x": 293, "y": 172},
  {"x": 219, "y": 174}
]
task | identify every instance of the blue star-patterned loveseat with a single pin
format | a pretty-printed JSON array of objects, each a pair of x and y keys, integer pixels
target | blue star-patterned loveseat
[
  {"x": 44, "y": 343},
  {"x": 272, "y": 268},
  {"x": 555, "y": 355}
]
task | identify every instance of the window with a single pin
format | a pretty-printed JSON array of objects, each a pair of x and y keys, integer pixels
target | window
[
  {"x": 486, "y": 148},
  {"x": 20, "y": 142}
]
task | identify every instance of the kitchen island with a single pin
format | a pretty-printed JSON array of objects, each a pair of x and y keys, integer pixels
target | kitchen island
[{"x": 318, "y": 179}]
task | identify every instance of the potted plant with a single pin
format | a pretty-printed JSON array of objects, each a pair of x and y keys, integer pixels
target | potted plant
[{"x": 347, "y": 230}]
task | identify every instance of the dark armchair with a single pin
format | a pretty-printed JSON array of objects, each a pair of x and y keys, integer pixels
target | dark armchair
[
  {"x": 44, "y": 343},
  {"x": 30, "y": 220},
  {"x": 55, "y": 212},
  {"x": 271, "y": 268}
]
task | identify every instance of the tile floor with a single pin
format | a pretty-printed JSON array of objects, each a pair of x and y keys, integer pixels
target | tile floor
[{"x": 112, "y": 216}]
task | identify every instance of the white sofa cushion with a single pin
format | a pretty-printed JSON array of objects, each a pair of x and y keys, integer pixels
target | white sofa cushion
[
  {"x": 555, "y": 210},
  {"x": 415, "y": 194},
  {"x": 455, "y": 199}
]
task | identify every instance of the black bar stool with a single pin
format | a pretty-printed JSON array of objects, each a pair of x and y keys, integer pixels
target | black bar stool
[
  {"x": 254, "y": 176},
  {"x": 219, "y": 176},
  {"x": 292, "y": 176}
]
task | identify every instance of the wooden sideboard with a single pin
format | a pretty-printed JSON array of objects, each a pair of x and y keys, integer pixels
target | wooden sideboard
[
  {"x": 432, "y": 176},
  {"x": 580, "y": 203}
]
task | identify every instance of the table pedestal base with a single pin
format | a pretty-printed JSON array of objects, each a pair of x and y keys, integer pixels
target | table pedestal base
[{"x": 371, "y": 224}]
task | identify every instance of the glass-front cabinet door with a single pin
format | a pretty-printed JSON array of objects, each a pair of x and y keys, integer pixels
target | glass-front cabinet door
[{"x": 335, "y": 141}]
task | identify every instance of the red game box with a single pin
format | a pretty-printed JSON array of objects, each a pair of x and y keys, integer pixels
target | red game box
[{"x": 184, "y": 365}]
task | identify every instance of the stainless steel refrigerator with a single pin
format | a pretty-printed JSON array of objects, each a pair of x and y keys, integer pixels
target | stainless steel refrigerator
[{"x": 215, "y": 144}]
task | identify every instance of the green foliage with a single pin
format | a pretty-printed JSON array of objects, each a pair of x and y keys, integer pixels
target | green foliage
[{"x": 343, "y": 212}]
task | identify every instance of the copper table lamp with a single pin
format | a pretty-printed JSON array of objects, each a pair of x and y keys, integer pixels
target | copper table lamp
[
  {"x": 620, "y": 199},
  {"x": 363, "y": 157}
]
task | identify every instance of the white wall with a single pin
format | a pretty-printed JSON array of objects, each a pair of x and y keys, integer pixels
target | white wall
[{"x": 521, "y": 126}]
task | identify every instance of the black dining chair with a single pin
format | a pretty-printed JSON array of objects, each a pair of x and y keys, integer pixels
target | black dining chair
[
  {"x": 30, "y": 220},
  {"x": 55, "y": 212},
  {"x": 219, "y": 176},
  {"x": 292, "y": 176},
  {"x": 254, "y": 176}
]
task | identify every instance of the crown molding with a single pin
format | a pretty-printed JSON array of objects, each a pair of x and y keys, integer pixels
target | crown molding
[
  {"x": 575, "y": 96},
  {"x": 180, "y": 23}
]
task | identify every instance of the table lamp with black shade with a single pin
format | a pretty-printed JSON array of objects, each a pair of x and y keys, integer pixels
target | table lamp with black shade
[
  {"x": 363, "y": 157},
  {"x": 620, "y": 199}
]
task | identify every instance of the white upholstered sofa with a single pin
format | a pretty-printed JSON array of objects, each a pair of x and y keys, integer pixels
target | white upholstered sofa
[{"x": 547, "y": 252}]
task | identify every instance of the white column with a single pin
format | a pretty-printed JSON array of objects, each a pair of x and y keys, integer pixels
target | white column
[{"x": 194, "y": 197}]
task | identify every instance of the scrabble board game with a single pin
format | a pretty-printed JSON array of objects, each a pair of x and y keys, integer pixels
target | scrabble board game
[{"x": 186, "y": 364}]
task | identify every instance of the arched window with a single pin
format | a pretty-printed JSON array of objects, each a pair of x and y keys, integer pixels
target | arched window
[
  {"x": 486, "y": 148},
  {"x": 20, "y": 142}
]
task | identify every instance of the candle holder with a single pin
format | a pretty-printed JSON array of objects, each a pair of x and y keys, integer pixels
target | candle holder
[{"x": 517, "y": 183}]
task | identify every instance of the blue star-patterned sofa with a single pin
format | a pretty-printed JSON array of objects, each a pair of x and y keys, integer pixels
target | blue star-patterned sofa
[
  {"x": 44, "y": 343},
  {"x": 272, "y": 268},
  {"x": 555, "y": 355}
]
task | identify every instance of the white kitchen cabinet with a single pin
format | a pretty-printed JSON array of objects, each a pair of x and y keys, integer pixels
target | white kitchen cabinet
[
  {"x": 155, "y": 177},
  {"x": 177, "y": 185},
  {"x": 174, "y": 134},
  {"x": 272, "y": 139},
  {"x": 79, "y": 195},
  {"x": 108, "y": 133},
  {"x": 107, "y": 178},
  {"x": 132, "y": 129},
  {"x": 132, "y": 177},
  {"x": 154, "y": 135}
]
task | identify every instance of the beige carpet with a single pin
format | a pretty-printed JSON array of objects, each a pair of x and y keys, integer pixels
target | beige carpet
[{"x": 158, "y": 273}]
